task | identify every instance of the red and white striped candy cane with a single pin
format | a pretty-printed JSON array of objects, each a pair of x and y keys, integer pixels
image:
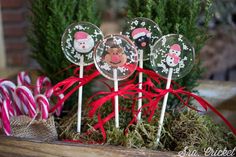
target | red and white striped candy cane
[
  {"x": 8, "y": 88},
  {"x": 10, "y": 108},
  {"x": 6, "y": 96},
  {"x": 43, "y": 105},
  {"x": 6, "y": 117},
  {"x": 26, "y": 97},
  {"x": 42, "y": 83},
  {"x": 23, "y": 79},
  {"x": 49, "y": 93}
]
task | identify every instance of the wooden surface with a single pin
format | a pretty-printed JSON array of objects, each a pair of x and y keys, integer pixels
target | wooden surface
[{"x": 13, "y": 147}]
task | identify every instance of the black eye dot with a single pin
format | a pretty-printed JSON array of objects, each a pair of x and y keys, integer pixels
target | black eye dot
[{"x": 233, "y": 18}]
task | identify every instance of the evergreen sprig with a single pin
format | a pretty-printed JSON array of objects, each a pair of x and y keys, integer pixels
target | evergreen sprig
[
  {"x": 49, "y": 21},
  {"x": 176, "y": 17}
]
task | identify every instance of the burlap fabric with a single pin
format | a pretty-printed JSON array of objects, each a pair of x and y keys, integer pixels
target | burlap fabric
[{"x": 38, "y": 129}]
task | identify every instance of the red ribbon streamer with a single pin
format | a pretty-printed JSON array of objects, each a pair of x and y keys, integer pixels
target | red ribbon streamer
[
  {"x": 64, "y": 87},
  {"x": 129, "y": 90},
  {"x": 154, "y": 95}
]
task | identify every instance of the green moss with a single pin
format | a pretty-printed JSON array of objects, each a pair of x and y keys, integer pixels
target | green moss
[{"x": 187, "y": 128}]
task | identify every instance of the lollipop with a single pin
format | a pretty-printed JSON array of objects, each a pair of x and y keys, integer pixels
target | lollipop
[
  {"x": 77, "y": 43},
  {"x": 172, "y": 57},
  {"x": 116, "y": 59},
  {"x": 143, "y": 32}
]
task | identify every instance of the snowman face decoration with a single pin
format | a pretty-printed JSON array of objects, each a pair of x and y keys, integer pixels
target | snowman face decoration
[
  {"x": 115, "y": 57},
  {"x": 173, "y": 57},
  {"x": 141, "y": 37},
  {"x": 172, "y": 51},
  {"x": 83, "y": 42}
]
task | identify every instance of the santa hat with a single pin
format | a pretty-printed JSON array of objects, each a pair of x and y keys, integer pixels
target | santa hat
[
  {"x": 175, "y": 47},
  {"x": 81, "y": 35},
  {"x": 138, "y": 32}
]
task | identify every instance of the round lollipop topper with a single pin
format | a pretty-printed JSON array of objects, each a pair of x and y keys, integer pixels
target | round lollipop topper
[
  {"x": 172, "y": 51},
  {"x": 144, "y": 32},
  {"x": 80, "y": 39},
  {"x": 116, "y": 52}
]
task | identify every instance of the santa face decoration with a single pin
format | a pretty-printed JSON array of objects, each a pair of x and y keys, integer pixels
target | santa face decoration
[
  {"x": 143, "y": 32},
  {"x": 83, "y": 42},
  {"x": 116, "y": 52},
  {"x": 115, "y": 57},
  {"x": 172, "y": 51},
  {"x": 80, "y": 39}
]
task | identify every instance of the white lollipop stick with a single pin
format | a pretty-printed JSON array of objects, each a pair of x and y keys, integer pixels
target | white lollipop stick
[
  {"x": 164, "y": 105},
  {"x": 140, "y": 81},
  {"x": 81, "y": 73},
  {"x": 116, "y": 98}
]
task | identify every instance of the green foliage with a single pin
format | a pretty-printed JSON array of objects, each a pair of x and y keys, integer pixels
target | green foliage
[
  {"x": 49, "y": 20},
  {"x": 176, "y": 17}
]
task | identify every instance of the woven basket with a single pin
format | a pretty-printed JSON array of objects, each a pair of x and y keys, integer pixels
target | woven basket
[{"x": 43, "y": 130}]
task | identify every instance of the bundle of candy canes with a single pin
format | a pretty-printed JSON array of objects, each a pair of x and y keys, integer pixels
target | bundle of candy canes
[{"x": 24, "y": 98}]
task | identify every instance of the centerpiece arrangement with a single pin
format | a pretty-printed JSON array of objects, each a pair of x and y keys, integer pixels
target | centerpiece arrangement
[{"x": 149, "y": 73}]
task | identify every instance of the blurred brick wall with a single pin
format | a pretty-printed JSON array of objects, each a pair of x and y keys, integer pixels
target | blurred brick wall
[{"x": 15, "y": 25}]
